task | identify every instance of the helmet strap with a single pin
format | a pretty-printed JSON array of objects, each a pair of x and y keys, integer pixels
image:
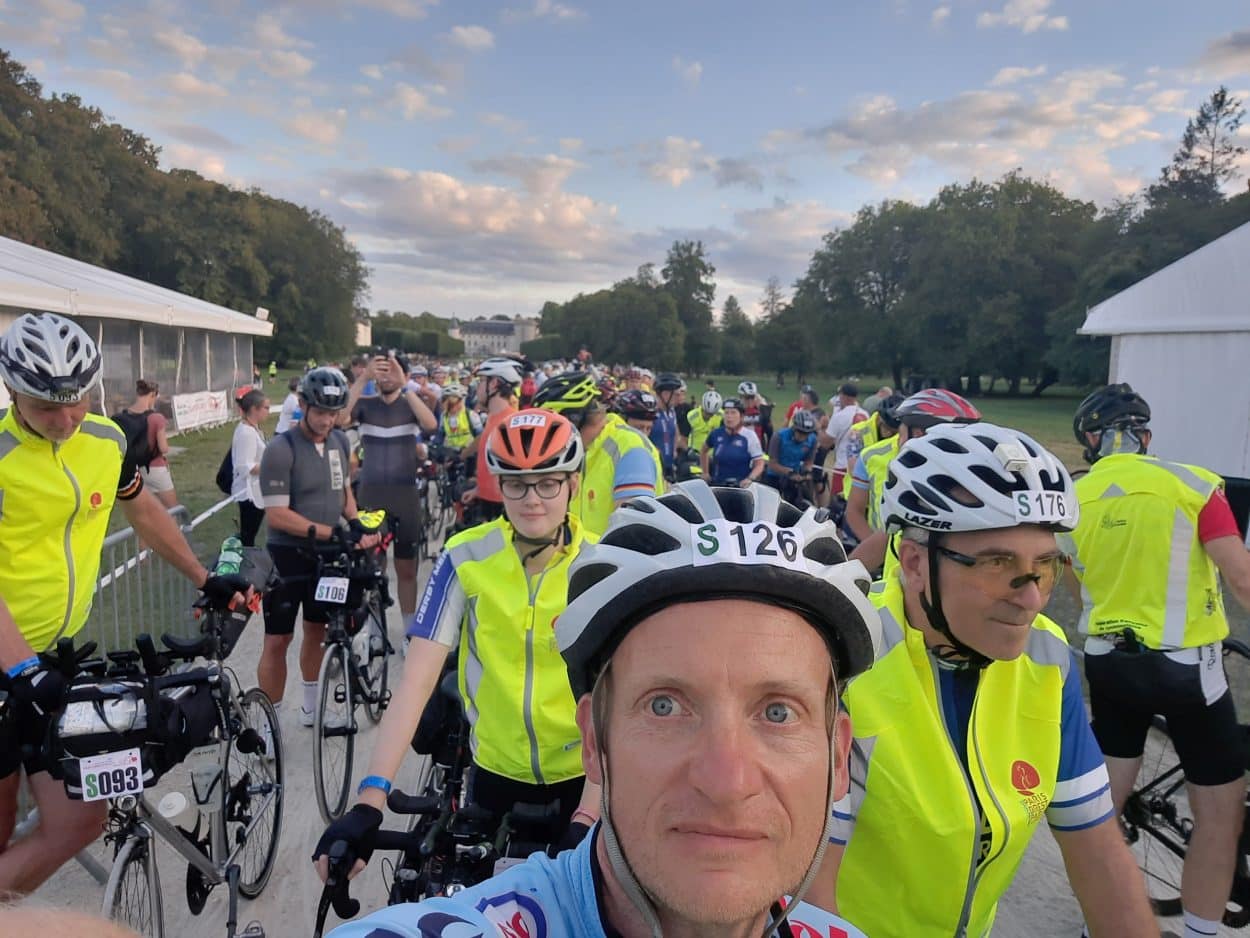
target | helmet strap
[{"x": 956, "y": 654}]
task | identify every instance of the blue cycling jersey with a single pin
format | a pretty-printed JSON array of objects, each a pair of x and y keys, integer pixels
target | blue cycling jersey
[
  {"x": 664, "y": 436},
  {"x": 792, "y": 453},
  {"x": 732, "y": 454},
  {"x": 540, "y": 898}
]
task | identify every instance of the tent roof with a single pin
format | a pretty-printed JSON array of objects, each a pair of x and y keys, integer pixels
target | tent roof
[
  {"x": 1206, "y": 291},
  {"x": 32, "y": 278}
]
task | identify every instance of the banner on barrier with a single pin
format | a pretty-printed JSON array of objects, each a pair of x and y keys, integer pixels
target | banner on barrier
[{"x": 201, "y": 409}]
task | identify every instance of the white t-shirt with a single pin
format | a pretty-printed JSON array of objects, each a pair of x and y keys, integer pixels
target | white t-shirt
[
  {"x": 246, "y": 449},
  {"x": 839, "y": 429},
  {"x": 289, "y": 407}
]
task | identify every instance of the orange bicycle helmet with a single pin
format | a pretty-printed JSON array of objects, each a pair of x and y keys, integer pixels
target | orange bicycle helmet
[{"x": 533, "y": 441}]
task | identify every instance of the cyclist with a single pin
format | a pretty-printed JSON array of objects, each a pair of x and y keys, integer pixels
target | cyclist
[
  {"x": 879, "y": 425},
  {"x": 391, "y": 426},
  {"x": 971, "y": 726},
  {"x": 835, "y": 435},
  {"x": 757, "y": 413},
  {"x": 460, "y": 426},
  {"x": 1155, "y": 538},
  {"x": 638, "y": 408},
  {"x": 664, "y": 431},
  {"x": 498, "y": 379},
  {"x": 621, "y": 462},
  {"x": 710, "y": 674},
  {"x": 62, "y": 469},
  {"x": 732, "y": 454},
  {"x": 916, "y": 414},
  {"x": 304, "y": 485},
  {"x": 790, "y": 457},
  {"x": 705, "y": 419},
  {"x": 633, "y": 379},
  {"x": 493, "y": 592}
]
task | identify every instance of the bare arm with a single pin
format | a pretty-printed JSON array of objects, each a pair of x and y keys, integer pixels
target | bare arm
[
  {"x": 857, "y": 512},
  {"x": 162, "y": 442},
  {"x": 160, "y": 532},
  {"x": 1106, "y": 881},
  {"x": 289, "y": 521},
  {"x": 425, "y": 416},
  {"x": 13, "y": 645},
  {"x": 703, "y": 460},
  {"x": 757, "y": 468},
  {"x": 1231, "y": 556},
  {"x": 871, "y": 550}
]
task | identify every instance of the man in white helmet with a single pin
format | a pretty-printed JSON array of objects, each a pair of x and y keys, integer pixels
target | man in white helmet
[
  {"x": 62, "y": 469},
  {"x": 706, "y": 637}
]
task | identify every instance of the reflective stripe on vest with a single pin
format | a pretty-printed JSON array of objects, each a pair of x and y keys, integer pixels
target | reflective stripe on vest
[
  {"x": 876, "y": 460},
  {"x": 918, "y": 815},
  {"x": 869, "y": 434},
  {"x": 595, "y": 499},
  {"x": 513, "y": 682},
  {"x": 55, "y": 503},
  {"x": 1137, "y": 554},
  {"x": 460, "y": 434}
]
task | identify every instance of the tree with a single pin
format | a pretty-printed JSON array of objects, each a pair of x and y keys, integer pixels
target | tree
[
  {"x": 1208, "y": 153},
  {"x": 773, "y": 299},
  {"x": 687, "y": 277},
  {"x": 737, "y": 333}
]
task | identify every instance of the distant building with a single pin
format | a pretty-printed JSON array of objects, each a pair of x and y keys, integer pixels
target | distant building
[{"x": 484, "y": 337}]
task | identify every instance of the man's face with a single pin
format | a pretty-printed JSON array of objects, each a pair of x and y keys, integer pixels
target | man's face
[
  {"x": 641, "y": 423},
  {"x": 321, "y": 421},
  {"x": 54, "y": 422},
  {"x": 984, "y": 610},
  {"x": 719, "y": 750},
  {"x": 386, "y": 374}
]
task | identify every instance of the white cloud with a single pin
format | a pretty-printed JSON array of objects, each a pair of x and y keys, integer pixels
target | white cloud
[
  {"x": 270, "y": 33},
  {"x": 473, "y": 38},
  {"x": 940, "y": 16},
  {"x": 505, "y": 123},
  {"x": 284, "y": 63},
  {"x": 188, "y": 86},
  {"x": 63, "y": 10},
  {"x": 372, "y": 71},
  {"x": 408, "y": 9},
  {"x": 544, "y": 9},
  {"x": 674, "y": 160},
  {"x": 414, "y": 103},
  {"x": 1013, "y": 75},
  {"x": 691, "y": 72},
  {"x": 323, "y": 128},
  {"x": 1028, "y": 16},
  {"x": 181, "y": 44},
  {"x": 1171, "y": 101},
  {"x": 540, "y": 175},
  {"x": 182, "y": 156},
  {"x": 571, "y": 144}
]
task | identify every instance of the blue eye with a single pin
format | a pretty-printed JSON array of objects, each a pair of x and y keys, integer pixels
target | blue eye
[
  {"x": 662, "y": 706},
  {"x": 777, "y": 712}
]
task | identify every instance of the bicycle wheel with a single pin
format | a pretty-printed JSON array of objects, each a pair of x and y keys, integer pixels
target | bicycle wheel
[
  {"x": 434, "y": 506},
  {"x": 252, "y": 810},
  {"x": 132, "y": 895},
  {"x": 334, "y": 738},
  {"x": 1157, "y": 821},
  {"x": 373, "y": 647}
]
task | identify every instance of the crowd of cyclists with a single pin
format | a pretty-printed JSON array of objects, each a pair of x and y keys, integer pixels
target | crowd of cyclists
[{"x": 813, "y": 645}]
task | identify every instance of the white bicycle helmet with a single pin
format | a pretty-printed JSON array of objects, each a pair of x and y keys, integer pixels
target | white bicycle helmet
[
  {"x": 977, "y": 477},
  {"x": 49, "y": 357},
  {"x": 653, "y": 555},
  {"x": 507, "y": 370},
  {"x": 711, "y": 402},
  {"x": 748, "y": 389}
]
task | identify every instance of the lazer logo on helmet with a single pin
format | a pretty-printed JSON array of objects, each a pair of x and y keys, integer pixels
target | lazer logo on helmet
[{"x": 923, "y": 522}]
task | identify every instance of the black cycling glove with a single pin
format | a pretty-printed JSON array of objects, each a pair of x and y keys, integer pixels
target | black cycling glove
[
  {"x": 219, "y": 589},
  {"x": 357, "y": 529},
  {"x": 40, "y": 687},
  {"x": 355, "y": 828}
]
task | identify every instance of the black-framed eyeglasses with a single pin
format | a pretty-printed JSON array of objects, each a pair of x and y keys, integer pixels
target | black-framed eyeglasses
[
  {"x": 515, "y": 490},
  {"x": 1004, "y": 571}
]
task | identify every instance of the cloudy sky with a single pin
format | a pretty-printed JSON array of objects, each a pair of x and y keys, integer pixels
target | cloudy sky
[{"x": 486, "y": 157}]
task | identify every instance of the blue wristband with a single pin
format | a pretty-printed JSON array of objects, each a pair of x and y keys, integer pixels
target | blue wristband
[
  {"x": 22, "y": 666},
  {"x": 374, "y": 781}
]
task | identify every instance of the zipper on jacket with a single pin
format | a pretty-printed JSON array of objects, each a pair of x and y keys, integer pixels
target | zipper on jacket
[
  {"x": 68, "y": 544},
  {"x": 985, "y": 778},
  {"x": 969, "y": 890},
  {"x": 527, "y": 705}
]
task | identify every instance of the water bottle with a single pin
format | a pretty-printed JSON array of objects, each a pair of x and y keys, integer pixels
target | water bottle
[{"x": 230, "y": 559}]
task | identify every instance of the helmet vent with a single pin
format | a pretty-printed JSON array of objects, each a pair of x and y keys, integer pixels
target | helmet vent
[
  {"x": 641, "y": 539},
  {"x": 947, "y": 445}
]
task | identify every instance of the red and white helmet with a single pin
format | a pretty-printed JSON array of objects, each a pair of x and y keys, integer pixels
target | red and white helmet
[{"x": 934, "y": 406}]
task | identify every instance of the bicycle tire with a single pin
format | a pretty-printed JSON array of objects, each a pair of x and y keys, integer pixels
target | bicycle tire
[
  {"x": 434, "y": 505},
  {"x": 1157, "y": 823},
  {"x": 332, "y": 754},
  {"x": 376, "y": 645},
  {"x": 250, "y": 781},
  {"x": 132, "y": 895}
]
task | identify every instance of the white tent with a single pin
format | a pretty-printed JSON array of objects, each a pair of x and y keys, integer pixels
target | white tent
[
  {"x": 1181, "y": 338},
  {"x": 198, "y": 352}
]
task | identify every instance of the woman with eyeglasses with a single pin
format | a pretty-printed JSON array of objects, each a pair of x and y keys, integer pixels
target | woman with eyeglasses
[{"x": 492, "y": 599}]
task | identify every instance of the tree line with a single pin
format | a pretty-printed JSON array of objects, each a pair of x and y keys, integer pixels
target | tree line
[
  {"x": 74, "y": 182},
  {"x": 988, "y": 280}
]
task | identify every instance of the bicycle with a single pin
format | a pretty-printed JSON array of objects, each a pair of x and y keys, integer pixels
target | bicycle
[
  {"x": 114, "y": 738},
  {"x": 1158, "y": 824},
  {"x": 449, "y": 481},
  {"x": 355, "y": 664}
]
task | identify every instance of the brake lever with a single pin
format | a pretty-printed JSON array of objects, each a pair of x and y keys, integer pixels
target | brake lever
[{"x": 335, "y": 893}]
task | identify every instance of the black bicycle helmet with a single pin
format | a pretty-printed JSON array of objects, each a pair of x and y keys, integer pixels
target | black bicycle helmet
[
  {"x": 1116, "y": 406},
  {"x": 731, "y": 403},
  {"x": 640, "y": 405},
  {"x": 888, "y": 410},
  {"x": 803, "y": 421},
  {"x": 324, "y": 387},
  {"x": 667, "y": 381}
]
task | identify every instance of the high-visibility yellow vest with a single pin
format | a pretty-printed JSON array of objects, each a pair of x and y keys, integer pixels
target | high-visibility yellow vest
[
  {"x": 55, "y": 502},
  {"x": 513, "y": 682},
  {"x": 876, "y": 460},
  {"x": 870, "y": 433},
  {"x": 916, "y": 863},
  {"x": 457, "y": 431},
  {"x": 701, "y": 426},
  {"x": 1137, "y": 554},
  {"x": 595, "y": 498}
]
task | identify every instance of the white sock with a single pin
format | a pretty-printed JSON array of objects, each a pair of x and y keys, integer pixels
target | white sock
[
  {"x": 310, "y": 696},
  {"x": 1196, "y": 927}
]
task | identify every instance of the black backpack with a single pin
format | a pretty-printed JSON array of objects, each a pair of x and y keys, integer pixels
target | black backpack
[
  {"x": 135, "y": 426},
  {"x": 225, "y": 472}
]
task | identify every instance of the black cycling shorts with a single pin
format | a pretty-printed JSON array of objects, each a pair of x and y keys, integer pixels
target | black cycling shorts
[
  {"x": 284, "y": 601},
  {"x": 497, "y": 794},
  {"x": 403, "y": 505},
  {"x": 1127, "y": 689}
]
